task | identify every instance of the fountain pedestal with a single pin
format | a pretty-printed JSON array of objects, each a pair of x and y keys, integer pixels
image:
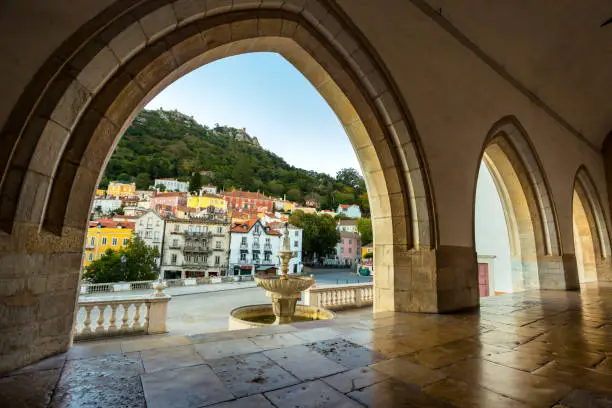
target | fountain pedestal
[{"x": 283, "y": 306}]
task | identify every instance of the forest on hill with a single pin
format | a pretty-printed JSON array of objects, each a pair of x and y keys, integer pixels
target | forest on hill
[{"x": 162, "y": 143}]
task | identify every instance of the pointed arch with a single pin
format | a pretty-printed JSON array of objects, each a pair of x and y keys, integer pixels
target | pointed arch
[
  {"x": 591, "y": 233},
  {"x": 535, "y": 247}
]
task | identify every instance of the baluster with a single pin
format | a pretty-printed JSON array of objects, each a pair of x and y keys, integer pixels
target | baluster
[
  {"x": 147, "y": 315},
  {"x": 124, "y": 319},
  {"x": 76, "y": 324},
  {"x": 87, "y": 322},
  {"x": 100, "y": 321},
  {"x": 136, "y": 324},
  {"x": 112, "y": 327},
  {"x": 335, "y": 298},
  {"x": 324, "y": 299}
]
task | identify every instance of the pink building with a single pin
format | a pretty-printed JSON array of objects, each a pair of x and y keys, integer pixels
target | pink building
[
  {"x": 348, "y": 250},
  {"x": 165, "y": 200}
]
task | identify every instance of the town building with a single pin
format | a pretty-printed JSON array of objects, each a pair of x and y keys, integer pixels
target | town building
[
  {"x": 100, "y": 193},
  {"x": 171, "y": 185},
  {"x": 209, "y": 190},
  {"x": 246, "y": 200},
  {"x": 150, "y": 228},
  {"x": 367, "y": 249},
  {"x": 106, "y": 234},
  {"x": 183, "y": 212},
  {"x": 306, "y": 210},
  {"x": 204, "y": 201},
  {"x": 118, "y": 189},
  {"x": 349, "y": 210},
  {"x": 296, "y": 237},
  {"x": 105, "y": 205},
  {"x": 172, "y": 200},
  {"x": 134, "y": 211},
  {"x": 196, "y": 247},
  {"x": 347, "y": 225},
  {"x": 348, "y": 250},
  {"x": 253, "y": 246}
]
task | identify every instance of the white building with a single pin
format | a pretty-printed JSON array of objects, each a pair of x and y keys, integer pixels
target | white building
[
  {"x": 105, "y": 205},
  {"x": 196, "y": 247},
  {"x": 150, "y": 228},
  {"x": 350, "y": 210},
  {"x": 208, "y": 190},
  {"x": 255, "y": 247},
  {"x": 347, "y": 225},
  {"x": 172, "y": 185}
]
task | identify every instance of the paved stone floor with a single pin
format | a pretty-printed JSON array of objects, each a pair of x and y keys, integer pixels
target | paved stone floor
[{"x": 539, "y": 349}]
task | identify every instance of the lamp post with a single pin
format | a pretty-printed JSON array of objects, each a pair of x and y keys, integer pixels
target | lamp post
[{"x": 123, "y": 261}]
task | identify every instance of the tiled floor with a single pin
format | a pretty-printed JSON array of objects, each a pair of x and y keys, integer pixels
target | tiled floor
[{"x": 539, "y": 349}]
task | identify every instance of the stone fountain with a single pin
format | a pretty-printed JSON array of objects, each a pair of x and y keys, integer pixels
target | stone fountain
[{"x": 284, "y": 290}]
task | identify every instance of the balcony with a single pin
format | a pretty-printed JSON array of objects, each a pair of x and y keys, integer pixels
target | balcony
[
  {"x": 193, "y": 265},
  {"x": 197, "y": 234},
  {"x": 219, "y": 249},
  {"x": 197, "y": 248}
]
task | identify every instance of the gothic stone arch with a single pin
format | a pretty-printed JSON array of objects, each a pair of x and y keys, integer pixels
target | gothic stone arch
[
  {"x": 66, "y": 124},
  {"x": 536, "y": 257}
]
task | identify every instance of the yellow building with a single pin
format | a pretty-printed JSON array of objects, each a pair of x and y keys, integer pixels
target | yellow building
[
  {"x": 288, "y": 206},
  {"x": 117, "y": 189},
  {"x": 206, "y": 201},
  {"x": 366, "y": 250},
  {"x": 104, "y": 234},
  {"x": 100, "y": 192}
]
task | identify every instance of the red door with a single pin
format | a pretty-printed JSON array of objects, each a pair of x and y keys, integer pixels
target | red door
[{"x": 483, "y": 279}]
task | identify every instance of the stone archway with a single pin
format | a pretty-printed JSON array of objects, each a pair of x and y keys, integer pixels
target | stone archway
[
  {"x": 591, "y": 237},
  {"x": 536, "y": 259},
  {"x": 67, "y": 124}
]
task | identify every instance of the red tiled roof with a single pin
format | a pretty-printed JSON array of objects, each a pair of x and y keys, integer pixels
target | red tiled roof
[
  {"x": 174, "y": 194},
  {"x": 244, "y": 227},
  {"x": 245, "y": 194},
  {"x": 106, "y": 223}
]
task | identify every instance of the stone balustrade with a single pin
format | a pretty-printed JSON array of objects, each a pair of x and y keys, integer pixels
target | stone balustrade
[
  {"x": 89, "y": 288},
  {"x": 336, "y": 297},
  {"x": 121, "y": 315}
]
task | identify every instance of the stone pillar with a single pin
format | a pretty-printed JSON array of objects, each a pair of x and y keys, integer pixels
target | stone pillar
[
  {"x": 604, "y": 270},
  {"x": 558, "y": 272},
  {"x": 606, "y": 151},
  {"x": 425, "y": 280},
  {"x": 158, "y": 311}
]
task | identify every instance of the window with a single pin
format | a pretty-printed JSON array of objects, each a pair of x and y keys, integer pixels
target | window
[
  {"x": 244, "y": 241},
  {"x": 243, "y": 256},
  {"x": 195, "y": 259},
  {"x": 295, "y": 244},
  {"x": 173, "y": 259},
  {"x": 148, "y": 234},
  {"x": 124, "y": 242},
  {"x": 157, "y": 223},
  {"x": 297, "y": 234},
  {"x": 217, "y": 260},
  {"x": 188, "y": 258},
  {"x": 156, "y": 237},
  {"x": 90, "y": 256},
  {"x": 218, "y": 244},
  {"x": 341, "y": 249},
  {"x": 350, "y": 250},
  {"x": 205, "y": 229},
  {"x": 92, "y": 241},
  {"x": 177, "y": 228},
  {"x": 267, "y": 257},
  {"x": 114, "y": 242},
  {"x": 204, "y": 258},
  {"x": 267, "y": 241},
  {"x": 103, "y": 240},
  {"x": 175, "y": 242},
  {"x": 350, "y": 241},
  {"x": 219, "y": 230}
]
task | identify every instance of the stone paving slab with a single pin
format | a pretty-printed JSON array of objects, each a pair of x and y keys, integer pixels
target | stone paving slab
[{"x": 547, "y": 349}]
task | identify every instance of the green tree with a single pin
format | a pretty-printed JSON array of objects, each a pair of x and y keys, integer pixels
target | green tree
[
  {"x": 364, "y": 202},
  {"x": 364, "y": 226},
  {"x": 143, "y": 181},
  {"x": 320, "y": 235},
  {"x": 195, "y": 182},
  {"x": 296, "y": 218},
  {"x": 294, "y": 194},
  {"x": 349, "y": 177},
  {"x": 139, "y": 264}
]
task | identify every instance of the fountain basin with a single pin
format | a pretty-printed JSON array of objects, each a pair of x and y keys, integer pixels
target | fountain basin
[
  {"x": 287, "y": 286},
  {"x": 253, "y": 316}
]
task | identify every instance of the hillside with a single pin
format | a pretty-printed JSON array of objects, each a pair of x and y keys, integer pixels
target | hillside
[{"x": 163, "y": 143}]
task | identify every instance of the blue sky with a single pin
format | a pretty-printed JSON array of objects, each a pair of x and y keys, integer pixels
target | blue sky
[{"x": 265, "y": 94}]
